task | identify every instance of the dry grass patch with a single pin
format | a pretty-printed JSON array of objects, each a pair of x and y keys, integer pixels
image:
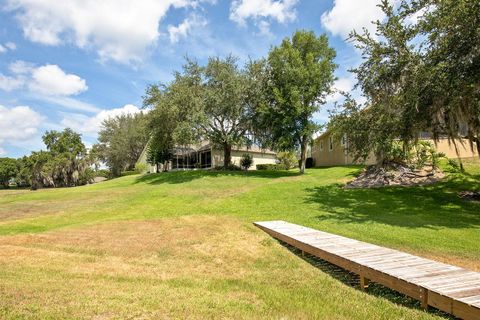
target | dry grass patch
[
  {"x": 463, "y": 262},
  {"x": 190, "y": 267},
  {"x": 15, "y": 206}
]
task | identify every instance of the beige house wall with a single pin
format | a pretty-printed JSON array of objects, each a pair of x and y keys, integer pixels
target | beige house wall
[
  {"x": 464, "y": 149},
  {"x": 323, "y": 156},
  {"x": 258, "y": 158},
  {"x": 217, "y": 158}
]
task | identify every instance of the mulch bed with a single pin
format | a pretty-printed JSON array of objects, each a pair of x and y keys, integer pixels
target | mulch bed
[{"x": 395, "y": 175}]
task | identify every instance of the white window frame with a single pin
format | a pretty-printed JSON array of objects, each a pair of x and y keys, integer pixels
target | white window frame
[
  {"x": 321, "y": 145},
  {"x": 344, "y": 140}
]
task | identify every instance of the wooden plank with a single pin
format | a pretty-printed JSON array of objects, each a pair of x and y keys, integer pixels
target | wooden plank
[
  {"x": 469, "y": 293},
  {"x": 448, "y": 288}
]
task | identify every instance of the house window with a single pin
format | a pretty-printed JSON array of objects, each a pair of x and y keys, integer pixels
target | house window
[
  {"x": 330, "y": 143},
  {"x": 321, "y": 145},
  {"x": 344, "y": 140}
]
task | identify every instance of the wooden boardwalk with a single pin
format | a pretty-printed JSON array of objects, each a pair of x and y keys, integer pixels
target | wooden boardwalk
[{"x": 449, "y": 288}]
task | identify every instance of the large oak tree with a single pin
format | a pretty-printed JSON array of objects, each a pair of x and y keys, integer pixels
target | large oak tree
[
  {"x": 420, "y": 73},
  {"x": 210, "y": 103}
]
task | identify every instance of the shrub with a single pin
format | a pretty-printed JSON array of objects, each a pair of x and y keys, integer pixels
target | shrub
[
  {"x": 418, "y": 155},
  {"x": 103, "y": 173},
  {"x": 288, "y": 159},
  {"x": 395, "y": 153},
  {"x": 454, "y": 165},
  {"x": 271, "y": 166},
  {"x": 246, "y": 161},
  {"x": 427, "y": 153},
  {"x": 140, "y": 168},
  {"x": 87, "y": 176},
  {"x": 231, "y": 167}
]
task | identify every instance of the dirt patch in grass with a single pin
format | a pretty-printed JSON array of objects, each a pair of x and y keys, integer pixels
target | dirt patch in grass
[{"x": 193, "y": 267}]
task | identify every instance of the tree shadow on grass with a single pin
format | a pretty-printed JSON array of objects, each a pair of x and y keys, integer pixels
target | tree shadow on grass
[
  {"x": 176, "y": 177},
  {"x": 352, "y": 280},
  {"x": 430, "y": 206}
]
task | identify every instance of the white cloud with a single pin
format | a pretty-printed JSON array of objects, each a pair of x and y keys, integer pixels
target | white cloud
[
  {"x": 341, "y": 85},
  {"x": 349, "y": 15},
  {"x": 263, "y": 11},
  {"x": 70, "y": 103},
  {"x": 19, "y": 123},
  {"x": 47, "y": 80},
  {"x": 50, "y": 80},
  {"x": 120, "y": 30},
  {"x": 10, "y": 83},
  {"x": 91, "y": 125},
  {"x": 10, "y": 45},
  {"x": 48, "y": 83},
  {"x": 2, "y": 151},
  {"x": 264, "y": 28},
  {"x": 21, "y": 67},
  {"x": 7, "y": 46},
  {"x": 413, "y": 18},
  {"x": 184, "y": 28}
]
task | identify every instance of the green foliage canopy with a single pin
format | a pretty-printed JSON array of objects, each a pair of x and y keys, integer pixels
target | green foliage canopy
[
  {"x": 299, "y": 77},
  {"x": 210, "y": 103},
  {"x": 65, "y": 163},
  {"x": 8, "y": 170},
  {"x": 419, "y": 74},
  {"x": 121, "y": 141}
]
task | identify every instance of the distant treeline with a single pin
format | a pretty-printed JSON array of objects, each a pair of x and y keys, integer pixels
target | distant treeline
[{"x": 65, "y": 163}]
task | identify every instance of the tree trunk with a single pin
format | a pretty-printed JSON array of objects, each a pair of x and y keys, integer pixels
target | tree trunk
[
  {"x": 379, "y": 156},
  {"x": 477, "y": 143},
  {"x": 227, "y": 155},
  {"x": 303, "y": 155}
]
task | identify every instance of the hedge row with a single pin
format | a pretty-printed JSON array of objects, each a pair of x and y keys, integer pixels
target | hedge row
[{"x": 271, "y": 166}]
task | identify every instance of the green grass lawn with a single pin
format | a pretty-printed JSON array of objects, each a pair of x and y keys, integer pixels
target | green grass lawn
[{"x": 181, "y": 244}]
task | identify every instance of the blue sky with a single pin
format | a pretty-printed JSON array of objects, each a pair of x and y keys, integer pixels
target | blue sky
[{"x": 75, "y": 63}]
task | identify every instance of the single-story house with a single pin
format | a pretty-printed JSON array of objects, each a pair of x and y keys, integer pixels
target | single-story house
[
  {"x": 327, "y": 151},
  {"x": 206, "y": 156}
]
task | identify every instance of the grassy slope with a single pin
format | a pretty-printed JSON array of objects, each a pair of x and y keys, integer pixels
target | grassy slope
[{"x": 74, "y": 236}]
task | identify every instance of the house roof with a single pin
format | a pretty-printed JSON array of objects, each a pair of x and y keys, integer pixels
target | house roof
[
  {"x": 253, "y": 148},
  {"x": 323, "y": 135},
  {"x": 182, "y": 150}
]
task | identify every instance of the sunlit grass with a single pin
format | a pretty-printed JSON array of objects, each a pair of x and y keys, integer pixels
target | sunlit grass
[{"x": 181, "y": 244}]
